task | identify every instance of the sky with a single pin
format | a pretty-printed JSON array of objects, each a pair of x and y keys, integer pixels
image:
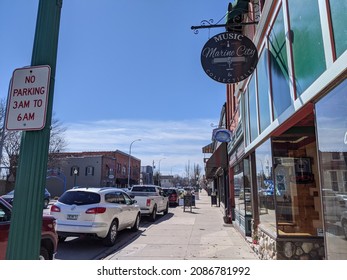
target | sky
[{"x": 126, "y": 70}]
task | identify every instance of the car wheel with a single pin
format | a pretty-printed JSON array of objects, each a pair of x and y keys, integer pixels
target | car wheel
[
  {"x": 344, "y": 227},
  {"x": 136, "y": 225},
  {"x": 111, "y": 237},
  {"x": 45, "y": 203},
  {"x": 166, "y": 209},
  {"x": 154, "y": 214},
  {"x": 44, "y": 254}
]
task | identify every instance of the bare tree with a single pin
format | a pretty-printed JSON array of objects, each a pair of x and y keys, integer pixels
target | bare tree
[
  {"x": 197, "y": 171},
  {"x": 11, "y": 141}
]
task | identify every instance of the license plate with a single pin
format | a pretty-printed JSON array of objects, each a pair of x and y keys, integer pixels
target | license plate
[{"x": 72, "y": 217}]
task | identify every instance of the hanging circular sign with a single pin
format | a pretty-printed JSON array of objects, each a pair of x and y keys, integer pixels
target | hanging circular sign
[{"x": 229, "y": 57}]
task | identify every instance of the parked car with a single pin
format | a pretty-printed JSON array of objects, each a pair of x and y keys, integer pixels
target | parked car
[
  {"x": 10, "y": 196},
  {"x": 172, "y": 194},
  {"x": 100, "y": 212},
  {"x": 49, "y": 237},
  {"x": 151, "y": 200}
]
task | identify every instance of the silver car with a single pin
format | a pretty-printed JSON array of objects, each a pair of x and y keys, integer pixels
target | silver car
[{"x": 100, "y": 212}]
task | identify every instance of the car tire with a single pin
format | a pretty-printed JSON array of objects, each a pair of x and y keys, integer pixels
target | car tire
[
  {"x": 136, "y": 225},
  {"x": 154, "y": 213},
  {"x": 344, "y": 227},
  {"x": 44, "y": 253},
  {"x": 112, "y": 234},
  {"x": 166, "y": 209}
]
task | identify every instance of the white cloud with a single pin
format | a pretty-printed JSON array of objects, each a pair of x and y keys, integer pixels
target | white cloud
[{"x": 176, "y": 143}]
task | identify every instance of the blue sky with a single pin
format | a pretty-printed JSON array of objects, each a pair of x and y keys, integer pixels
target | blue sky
[{"x": 126, "y": 70}]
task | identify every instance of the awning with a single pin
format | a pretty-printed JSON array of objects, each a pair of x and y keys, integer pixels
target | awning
[
  {"x": 218, "y": 159},
  {"x": 208, "y": 149}
]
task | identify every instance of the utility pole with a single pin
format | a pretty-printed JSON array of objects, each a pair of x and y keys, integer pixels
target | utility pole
[{"x": 25, "y": 232}]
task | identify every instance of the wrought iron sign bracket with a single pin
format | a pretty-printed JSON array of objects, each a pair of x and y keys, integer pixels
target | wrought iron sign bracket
[{"x": 208, "y": 24}]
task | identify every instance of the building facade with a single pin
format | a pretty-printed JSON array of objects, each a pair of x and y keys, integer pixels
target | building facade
[
  {"x": 147, "y": 175},
  {"x": 92, "y": 169},
  {"x": 287, "y": 160}
]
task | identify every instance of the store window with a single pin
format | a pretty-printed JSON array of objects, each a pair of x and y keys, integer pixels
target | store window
[
  {"x": 307, "y": 42},
  {"x": 332, "y": 140},
  {"x": 279, "y": 67},
  {"x": 245, "y": 104},
  {"x": 263, "y": 91},
  {"x": 265, "y": 187},
  {"x": 253, "y": 113},
  {"x": 338, "y": 10},
  {"x": 239, "y": 189},
  {"x": 247, "y": 186}
]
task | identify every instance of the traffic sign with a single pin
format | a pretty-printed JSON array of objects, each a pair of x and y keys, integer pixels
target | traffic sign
[{"x": 28, "y": 98}]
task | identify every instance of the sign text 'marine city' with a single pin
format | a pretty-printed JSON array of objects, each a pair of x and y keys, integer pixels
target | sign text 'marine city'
[{"x": 229, "y": 57}]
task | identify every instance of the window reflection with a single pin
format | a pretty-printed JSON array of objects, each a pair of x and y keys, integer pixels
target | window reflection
[
  {"x": 332, "y": 139},
  {"x": 265, "y": 186}
]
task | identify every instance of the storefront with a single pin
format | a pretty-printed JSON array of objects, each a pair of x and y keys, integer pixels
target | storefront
[{"x": 291, "y": 180}]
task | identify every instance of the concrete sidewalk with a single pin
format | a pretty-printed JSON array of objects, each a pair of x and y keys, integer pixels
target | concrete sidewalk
[{"x": 197, "y": 235}]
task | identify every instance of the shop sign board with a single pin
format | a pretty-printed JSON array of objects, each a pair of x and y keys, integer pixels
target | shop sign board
[
  {"x": 229, "y": 57},
  {"x": 28, "y": 98}
]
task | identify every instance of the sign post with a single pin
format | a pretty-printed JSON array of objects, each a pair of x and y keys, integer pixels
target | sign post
[{"x": 25, "y": 231}]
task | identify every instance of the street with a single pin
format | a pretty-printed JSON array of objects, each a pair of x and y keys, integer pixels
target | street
[
  {"x": 181, "y": 234},
  {"x": 196, "y": 234}
]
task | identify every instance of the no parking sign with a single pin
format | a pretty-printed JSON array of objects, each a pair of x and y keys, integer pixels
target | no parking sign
[{"x": 28, "y": 98}]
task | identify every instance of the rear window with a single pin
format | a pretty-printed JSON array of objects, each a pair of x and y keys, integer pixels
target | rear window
[
  {"x": 143, "y": 189},
  {"x": 79, "y": 198},
  {"x": 169, "y": 191}
]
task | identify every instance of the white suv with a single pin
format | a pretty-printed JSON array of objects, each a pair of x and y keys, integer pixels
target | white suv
[{"x": 100, "y": 212}]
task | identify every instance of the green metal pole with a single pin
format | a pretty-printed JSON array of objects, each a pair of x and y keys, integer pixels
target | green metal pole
[{"x": 26, "y": 222}]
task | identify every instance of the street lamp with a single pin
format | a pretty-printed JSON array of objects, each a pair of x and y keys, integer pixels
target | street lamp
[
  {"x": 75, "y": 173},
  {"x": 159, "y": 171},
  {"x": 129, "y": 160}
]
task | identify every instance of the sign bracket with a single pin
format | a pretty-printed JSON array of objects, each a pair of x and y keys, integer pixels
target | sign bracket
[{"x": 208, "y": 24}]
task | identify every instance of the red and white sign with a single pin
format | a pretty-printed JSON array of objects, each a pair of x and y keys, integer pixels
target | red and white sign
[{"x": 28, "y": 98}]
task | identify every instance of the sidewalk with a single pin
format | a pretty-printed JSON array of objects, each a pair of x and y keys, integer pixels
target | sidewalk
[{"x": 200, "y": 234}]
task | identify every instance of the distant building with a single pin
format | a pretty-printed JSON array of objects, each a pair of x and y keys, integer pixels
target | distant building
[
  {"x": 92, "y": 169},
  {"x": 146, "y": 176},
  {"x": 166, "y": 181}
]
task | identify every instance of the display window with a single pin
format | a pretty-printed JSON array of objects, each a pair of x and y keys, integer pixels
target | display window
[
  {"x": 296, "y": 188},
  {"x": 331, "y": 119},
  {"x": 265, "y": 187}
]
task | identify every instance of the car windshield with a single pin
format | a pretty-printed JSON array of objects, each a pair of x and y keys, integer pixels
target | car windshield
[{"x": 79, "y": 198}]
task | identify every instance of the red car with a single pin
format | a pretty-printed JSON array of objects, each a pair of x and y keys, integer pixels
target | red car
[
  {"x": 49, "y": 237},
  {"x": 172, "y": 194}
]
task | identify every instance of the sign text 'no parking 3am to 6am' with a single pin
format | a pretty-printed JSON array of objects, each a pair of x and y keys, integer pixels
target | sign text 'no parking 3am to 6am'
[{"x": 28, "y": 98}]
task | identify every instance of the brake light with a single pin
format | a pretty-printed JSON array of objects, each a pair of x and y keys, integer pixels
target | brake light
[
  {"x": 96, "y": 210},
  {"x": 148, "y": 202},
  {"x": 55, "y": 208}
]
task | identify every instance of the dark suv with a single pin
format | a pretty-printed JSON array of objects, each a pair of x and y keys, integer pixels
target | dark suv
[
  {"x": 49, "y": 237},
  {"x": 173, "y": 195},
  {"x": 10, "y": 196}
]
